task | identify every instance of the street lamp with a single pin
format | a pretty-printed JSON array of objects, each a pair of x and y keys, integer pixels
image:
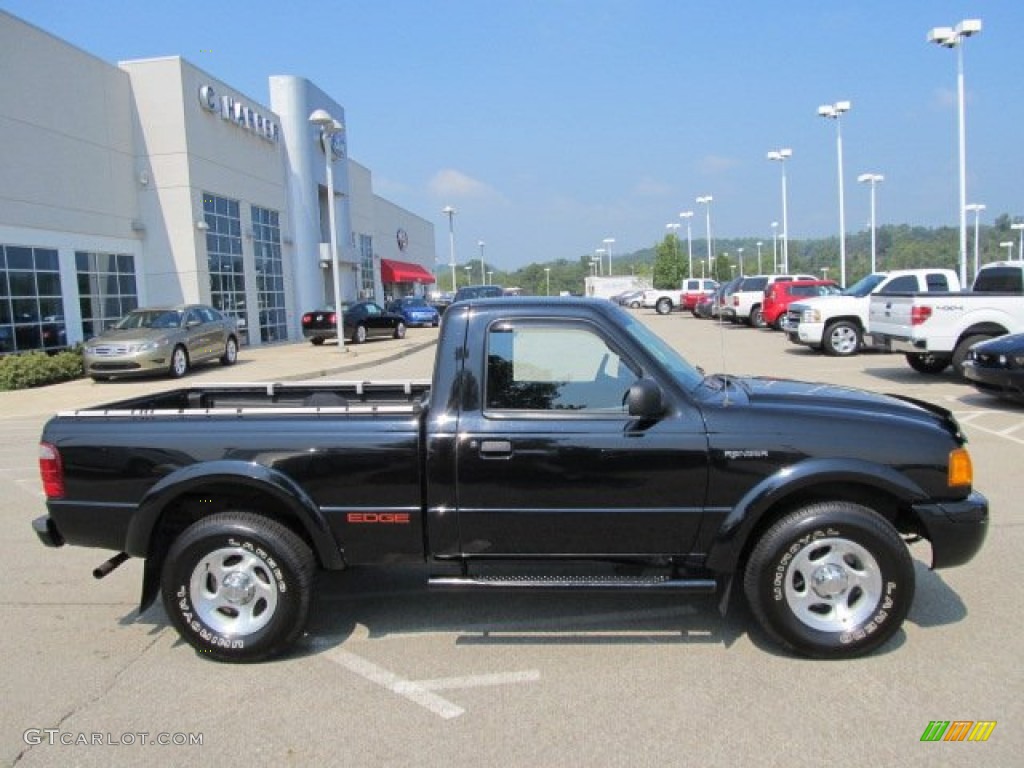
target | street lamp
[
  {"x": 469, "y": 274},
  {"x": 547, "y": 278},
  {"x": 782, "y": 155},
  {"x": 977, "y": 208},
  {"x": 451, "y": 241},
  {"x": 329, "y": 128},
  {"x": 687, "y": 215},
  {"x": 1020, "y": 226},
  {"x": 953, "y": 37},
  {"x": 673, "y": 227},
  {"x": 706, "y": 201},
  {"x": 483, "y": 273},
  {"x": 872, "y": 179},
  {"x": 759, "y": 244},
  {"x": 742, "y": 271},
  {"x": 833, "y": 112},
  {"x": 609, "y": 241},
  {"x": 1008, "y": 245},
  {"x": 775, "y": 247},
  {"x": 599, "y": 259}
]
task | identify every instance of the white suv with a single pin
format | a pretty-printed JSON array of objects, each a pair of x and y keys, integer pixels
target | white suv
[{"x": 749, "y": 298}]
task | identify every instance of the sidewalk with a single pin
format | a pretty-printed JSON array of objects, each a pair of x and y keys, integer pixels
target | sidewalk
[{"x": 290, "y": 361}]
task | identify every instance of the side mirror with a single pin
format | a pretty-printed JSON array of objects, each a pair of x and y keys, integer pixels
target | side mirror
[{"x": 645, "y": 400}]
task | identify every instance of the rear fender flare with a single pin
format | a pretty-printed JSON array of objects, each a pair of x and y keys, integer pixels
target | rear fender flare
[
  {"x": 238, "y": 473},
  {"x": 739, "y": 525}
]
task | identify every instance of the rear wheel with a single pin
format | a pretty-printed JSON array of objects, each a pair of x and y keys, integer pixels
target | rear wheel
[
  {"x": 842, "y": 339},
  {"x": 316, "y": 341},
  {"x": 179, "y": 363},
  {"x": 230, "y": 356},
  {"x": 756, "y": 318},
  {"x": 960, "y": 353},
  {"x": 831, "y": 580},
  {"x": 400, "y": 331},
  {"x": 359, "y": 334},
  {"x": 927, "y": 363},
  {"x": 236, "y": 586},
  {"x": 663, "y": 306}
]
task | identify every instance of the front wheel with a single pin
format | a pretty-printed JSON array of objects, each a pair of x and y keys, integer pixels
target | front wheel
[
  {"x": 832, "y": 580},
  {"x": 663, "y": 306},
  {"x": 359, "y": 335},
  {"x": 842, "y": 339},
  {"x": 400, "y": 331},
  {"x": 961, "y": 350},
  {"x": 236, "y": 586},
  {"x": 927, "y": 363}
]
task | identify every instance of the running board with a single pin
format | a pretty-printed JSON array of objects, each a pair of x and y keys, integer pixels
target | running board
[{"x": 609, "y": 583}]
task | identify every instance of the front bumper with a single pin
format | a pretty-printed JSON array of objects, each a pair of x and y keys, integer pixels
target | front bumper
[
  {"x": 956, "y": 529},
  {"x": 47, "y": 531},
  {"x": 998, "y": 381}
]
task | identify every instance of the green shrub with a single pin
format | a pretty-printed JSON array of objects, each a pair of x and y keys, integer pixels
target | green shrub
[{"x": 37, "y": 369}]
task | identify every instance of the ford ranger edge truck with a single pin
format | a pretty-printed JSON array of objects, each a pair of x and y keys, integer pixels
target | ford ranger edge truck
[{"x": 560, "y": 444}]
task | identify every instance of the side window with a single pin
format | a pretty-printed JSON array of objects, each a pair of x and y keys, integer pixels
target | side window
[
  {"x": 533, "y": 366},
  {"x": 936, "y": 281},
  {"x": 903, "y": 283}
]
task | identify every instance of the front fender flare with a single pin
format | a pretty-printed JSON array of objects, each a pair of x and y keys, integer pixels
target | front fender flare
[
  {"x": 735, "y": 531},
  {"x": 238, "y": 473}
]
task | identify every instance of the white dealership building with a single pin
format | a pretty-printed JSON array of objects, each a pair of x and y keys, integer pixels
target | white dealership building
[{"x": 152, "y": 182}]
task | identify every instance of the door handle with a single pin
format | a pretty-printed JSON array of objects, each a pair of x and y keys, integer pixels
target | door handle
[{"x": 495, "y": 449}]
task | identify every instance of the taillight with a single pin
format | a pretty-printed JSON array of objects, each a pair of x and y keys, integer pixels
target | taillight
[
  {"x": 51, "y": 470},
  {"x": 919, "y": 314},
  {"x": 332, "y": 318},
  {"x": 735, "y": 301}
]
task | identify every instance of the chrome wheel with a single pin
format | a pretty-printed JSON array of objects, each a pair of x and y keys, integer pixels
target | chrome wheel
[
  {"x": 233, "y": 591},
  {"x": 833, "y": 585},
  {"x": 230, "y": 356},
  {"x": 842, "y": 339},
  {"x": 179, "y": 362}
]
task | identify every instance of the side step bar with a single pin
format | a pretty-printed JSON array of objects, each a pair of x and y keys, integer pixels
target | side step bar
[{"x": 609, "y": 583}]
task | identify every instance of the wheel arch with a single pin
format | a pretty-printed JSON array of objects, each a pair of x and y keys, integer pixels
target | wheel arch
[
  {"x": 877, "y": 486},
  {"x": 982, "y": 329},
  {"x": 200, "y": 490}
]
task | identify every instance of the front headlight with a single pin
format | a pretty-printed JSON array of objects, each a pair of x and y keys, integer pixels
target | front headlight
[
  {"x": 150, "y": 346},
  {"x": 810, "y": 316}
]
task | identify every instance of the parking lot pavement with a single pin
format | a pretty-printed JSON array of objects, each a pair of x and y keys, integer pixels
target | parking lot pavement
[{"x": 392, "y": 674}]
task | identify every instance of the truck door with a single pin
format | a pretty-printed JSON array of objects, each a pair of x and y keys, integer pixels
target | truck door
[{"x": 550, "y": 463}]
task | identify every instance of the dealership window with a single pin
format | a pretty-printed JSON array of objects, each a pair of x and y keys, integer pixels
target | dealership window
[
  {"x": 106, "y": 289},
  {"x": 224, "y": 256},
  {"x": 266, "y": 240},
  {"x": 31, "y": 308},
  {"x": 366, "y": 276}
]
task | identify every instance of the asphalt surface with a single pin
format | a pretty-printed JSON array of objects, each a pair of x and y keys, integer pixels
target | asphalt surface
[{"x": 391, "y": 674}]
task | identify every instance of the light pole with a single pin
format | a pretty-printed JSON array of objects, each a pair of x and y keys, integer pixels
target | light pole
[
  {"x": 599, "y": 258},
  {"x": 609, "y": 242},
  {"x": 329, "y": 128},
  {"x": 834, "y": 112},
  {"x": 977, "y": 208},
  {"x": 490, "y": 276},
  {"x": 775, "y": 247},
  {"x": 469, "y": 274},
  {"x": 483, "y": 273},
  {"x": 1020, "y": 226},
  {"x": 706, "y": 200},
  {"x": 953, "y": 37},
  {"x": 872, "y": 179},
  {"x": 782, "y": 155},
  {"x": 687, "y": 215},
  {"x": 673, "y": 227},
  {"x": 547, "y": 279},
  {"x": 451, "y": 241},
  {"x": 759, "y": 244},
  {"x": 742, "y": 271},
  {"x": 1008, "y": 245}
]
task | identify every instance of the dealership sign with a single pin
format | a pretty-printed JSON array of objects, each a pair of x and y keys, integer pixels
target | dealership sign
[{"x": 235, "y": 111}]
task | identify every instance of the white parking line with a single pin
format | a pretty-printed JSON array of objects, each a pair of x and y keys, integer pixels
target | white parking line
[{"x": 420, "y": 692}]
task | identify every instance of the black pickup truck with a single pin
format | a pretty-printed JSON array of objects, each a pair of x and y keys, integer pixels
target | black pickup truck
[{"x": 560, "y": 445}]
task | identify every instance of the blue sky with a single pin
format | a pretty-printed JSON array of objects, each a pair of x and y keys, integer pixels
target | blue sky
[{"x": 551, "y": 125}]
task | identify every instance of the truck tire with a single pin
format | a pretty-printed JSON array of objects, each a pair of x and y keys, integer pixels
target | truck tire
[
  {"x": 179, "y": 363},
  {"x": 841, "y": 339},
  {"x": 663, "y": 306},
  {"x": 831, "y": 580},
  {"x": 963, "y": 346},
  {"x": 926, "y": 363},
  {"x": 756, "y": 319},
  {"x": 230, "y": 356},
  {"x": 236, "y": 586}
]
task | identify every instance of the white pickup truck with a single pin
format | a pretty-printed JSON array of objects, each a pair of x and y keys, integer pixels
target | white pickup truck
[
  {"x": 935, "y": 330},
  {"x": 837, "y": 324}
]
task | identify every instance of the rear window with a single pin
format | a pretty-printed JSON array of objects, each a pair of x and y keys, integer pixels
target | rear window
[
  {"x": 936, "y": 281},
  {"x": 999, "y": 280},
  {"x": 753, "y": 284}
]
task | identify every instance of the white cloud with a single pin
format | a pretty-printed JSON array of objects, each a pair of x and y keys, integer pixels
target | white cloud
[
  {"x": 450, "y": 184},
  {"x": 650, "y": 187}
]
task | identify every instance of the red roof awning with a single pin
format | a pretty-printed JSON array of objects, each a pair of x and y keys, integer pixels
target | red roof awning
[{"x": 392, "y": 271}]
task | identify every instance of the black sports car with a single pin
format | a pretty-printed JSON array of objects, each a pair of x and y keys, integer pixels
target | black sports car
[{"x": 996, "y": 367}]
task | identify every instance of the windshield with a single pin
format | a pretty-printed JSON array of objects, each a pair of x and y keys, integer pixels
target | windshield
[
  {"x": 685, "y": 373},
  {"x": 864, "y": 286},
  {"x": 150, "y": 318},
  {"x": 415, "y": 302}
]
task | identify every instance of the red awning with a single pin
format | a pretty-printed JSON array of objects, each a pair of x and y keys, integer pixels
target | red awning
[{"x": 392, "y": 271}]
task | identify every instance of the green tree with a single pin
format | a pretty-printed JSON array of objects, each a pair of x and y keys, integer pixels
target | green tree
[{"x": 669, "y": 266}]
